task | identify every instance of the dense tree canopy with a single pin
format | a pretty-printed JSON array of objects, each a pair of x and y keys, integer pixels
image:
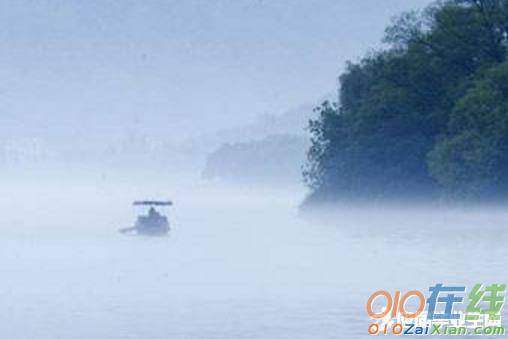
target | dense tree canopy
[{"x": 427, "y": 115}]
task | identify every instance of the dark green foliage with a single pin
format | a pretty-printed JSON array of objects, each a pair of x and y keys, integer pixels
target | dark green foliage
[
  {"x": 472, "y": 158},
  {"x": 429, "y": 114}
]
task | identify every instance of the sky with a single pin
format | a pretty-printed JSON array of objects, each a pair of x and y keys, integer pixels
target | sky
[{"x": 76, "y": 70}]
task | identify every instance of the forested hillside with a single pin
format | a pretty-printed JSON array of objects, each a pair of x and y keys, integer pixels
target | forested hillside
[{"x": 425, "y": 117}]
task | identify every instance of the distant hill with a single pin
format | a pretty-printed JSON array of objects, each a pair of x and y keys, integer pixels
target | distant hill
[
  {"x": 293, "y": 121},
  {"x": 275, "y": 159},
  {"x": 270, "y": 150},
  {"x": 136, "y": 145}
]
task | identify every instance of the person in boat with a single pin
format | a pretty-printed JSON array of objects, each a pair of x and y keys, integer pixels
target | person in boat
[
  {"x": 151, "y": 223},
  {"x": 153, "y": 214}
]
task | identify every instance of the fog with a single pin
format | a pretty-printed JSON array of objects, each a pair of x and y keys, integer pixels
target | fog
[
  {"x": 88, "y": 77},
  {"x": 238, "y": 263},
  {"x": 107, "y": 102}
]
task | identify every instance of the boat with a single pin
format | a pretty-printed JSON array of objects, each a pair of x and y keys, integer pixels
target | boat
[{"x": 152, "y": 223}]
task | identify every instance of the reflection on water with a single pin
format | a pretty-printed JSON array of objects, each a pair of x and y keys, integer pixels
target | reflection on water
[{"x": 237, "y": 264}]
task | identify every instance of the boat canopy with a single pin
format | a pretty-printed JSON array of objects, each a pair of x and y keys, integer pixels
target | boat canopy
[{"x": 152, "y": 203}]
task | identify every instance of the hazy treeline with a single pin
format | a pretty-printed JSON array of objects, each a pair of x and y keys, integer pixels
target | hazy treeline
[
  {"x": 426, "y": 116},
  {"x": 273, "y": 160}
]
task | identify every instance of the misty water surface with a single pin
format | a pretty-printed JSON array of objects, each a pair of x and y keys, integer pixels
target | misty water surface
[{"x": 239, "y": 263}]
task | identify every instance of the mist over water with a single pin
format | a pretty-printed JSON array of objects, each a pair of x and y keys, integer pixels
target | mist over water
[
  {"x": 208, "y": 103},
  {"x": 238, "y": 263}
]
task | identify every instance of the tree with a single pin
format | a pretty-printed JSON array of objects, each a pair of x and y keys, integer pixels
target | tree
[
  {"x": 471, "y": 159},
  {"x": 426, "y": 114}
]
